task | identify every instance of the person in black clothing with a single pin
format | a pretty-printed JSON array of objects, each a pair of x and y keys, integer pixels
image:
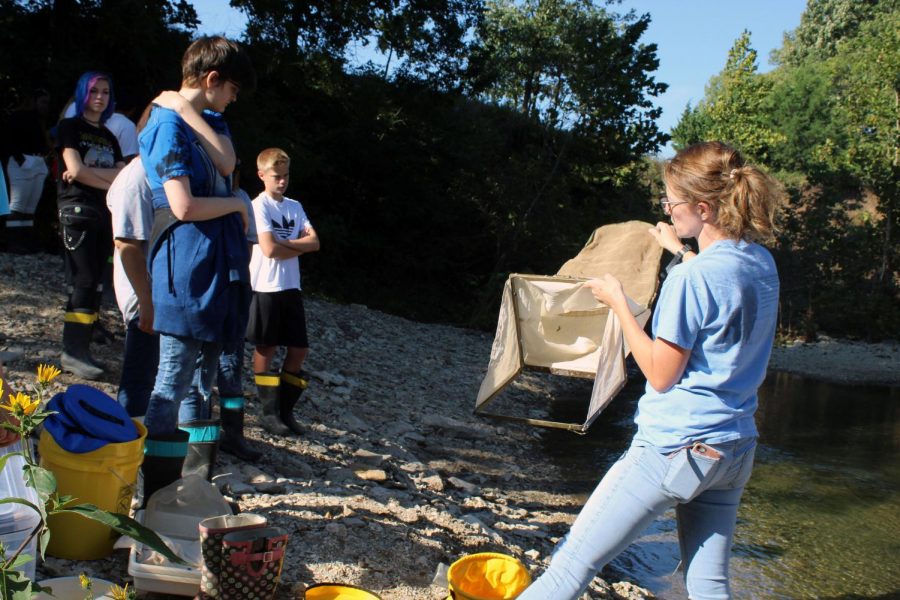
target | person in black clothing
[
  {"x": 90, "y": 158},
  {"x": 25, "y": 159}
]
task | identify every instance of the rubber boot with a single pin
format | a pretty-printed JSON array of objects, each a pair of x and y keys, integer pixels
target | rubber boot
[
  {"x": 251, "y": 563},
  {"x": 76, "y": 356},
  {"x": 99, "y": 331},
  {"x": 267, "y": 390},
  {"x": 202, "y": 448},
  {"x": 20, "y": 233},
  {"x": 212, "y": 531},
  {"x": 163, "y": 459},
  {"x": 231, "y": 411},
  {"x": 289, "y": 392}
]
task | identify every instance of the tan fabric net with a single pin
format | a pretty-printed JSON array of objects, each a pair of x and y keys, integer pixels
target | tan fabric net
[{"x": 553, "y": 323}]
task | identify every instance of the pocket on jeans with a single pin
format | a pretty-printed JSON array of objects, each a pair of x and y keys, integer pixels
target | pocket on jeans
[
  {"x": 688, "y": 474},
  {"x": 742, "y": 469}
]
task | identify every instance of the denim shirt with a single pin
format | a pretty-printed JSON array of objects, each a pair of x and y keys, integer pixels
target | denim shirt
[{"x": 199, "y": 269}]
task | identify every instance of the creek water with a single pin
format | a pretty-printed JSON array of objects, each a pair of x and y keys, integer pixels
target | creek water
[{"x": 820, "y": 517}]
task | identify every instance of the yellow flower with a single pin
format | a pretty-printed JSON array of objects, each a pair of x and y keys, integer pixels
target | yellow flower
[
  {"x": 119, "y": 593},
  {"x": 47, "y": 373},
  {"x": 21, "y": 404},
  {"x": 85, "y": 581}
]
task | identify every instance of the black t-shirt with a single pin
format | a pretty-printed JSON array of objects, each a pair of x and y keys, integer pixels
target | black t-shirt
[{"x": 97, "y": 147}]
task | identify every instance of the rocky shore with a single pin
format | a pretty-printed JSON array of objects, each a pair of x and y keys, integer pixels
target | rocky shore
[{"x": 394, "y": 475}]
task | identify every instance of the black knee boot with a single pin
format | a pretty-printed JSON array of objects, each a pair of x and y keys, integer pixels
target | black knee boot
[
  {"x": 202, "y": 448},
  {"x": 163, "y": 459},
  {"x": 290, "y": 390},
  {"x": 231, "y": 411},
  {"x": 76, "y": 356},
  {"x": 267, "y": 390}
]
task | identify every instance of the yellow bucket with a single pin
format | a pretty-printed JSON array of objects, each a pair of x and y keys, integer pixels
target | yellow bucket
[
  {"x": 487, "y": 576},
  {"x": 334, "y": 591},
  {"x": 105, "y": 477}
]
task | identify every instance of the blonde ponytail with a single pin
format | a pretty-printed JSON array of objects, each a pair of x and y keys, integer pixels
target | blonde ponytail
[{"x": 745, "y": 199}]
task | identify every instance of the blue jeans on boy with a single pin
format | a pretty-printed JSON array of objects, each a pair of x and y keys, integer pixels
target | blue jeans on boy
[
  {"x": 184, "y": 380},
  {"x": 231, "y": 364},
  {"x": 630, "y": 496},
  {"x": 139, "y": 364}
]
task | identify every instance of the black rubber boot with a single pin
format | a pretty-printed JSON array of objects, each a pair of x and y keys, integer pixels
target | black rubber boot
[
  {"x": 202, "y": 448},
  {"x": 20, "y": 233},
  {"x": 76, "y": 356},
  {"x": 289, "y": 392},
  {"x": 231, "y": 411},
  {"x": 163, "y": 459},
  {"x": 267, "y": 390}
]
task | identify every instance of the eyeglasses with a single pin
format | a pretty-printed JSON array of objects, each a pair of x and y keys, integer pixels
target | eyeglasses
[{"x": 667, "y": 204}]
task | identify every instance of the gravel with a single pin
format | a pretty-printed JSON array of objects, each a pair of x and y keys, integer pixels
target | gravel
[{"x": 394, "y": 476}]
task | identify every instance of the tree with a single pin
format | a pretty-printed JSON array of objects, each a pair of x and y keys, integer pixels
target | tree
[
  {"x": 570, "y": 65},
  {"x": 693, "y": 127},
  {"x": 867, "y": 81},
  {"x": 51, "y": 42},
  {"x": 823, "y": 25},
  {"x": 736, "y": 107},
  {"x": 428, "y": 36}
]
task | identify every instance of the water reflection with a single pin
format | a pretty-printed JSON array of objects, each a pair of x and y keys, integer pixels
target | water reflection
[{"x": 821, "y": 515}]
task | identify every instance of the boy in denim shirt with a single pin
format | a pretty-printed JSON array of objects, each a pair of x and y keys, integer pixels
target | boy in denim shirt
[{"x": 198, "y": 258}]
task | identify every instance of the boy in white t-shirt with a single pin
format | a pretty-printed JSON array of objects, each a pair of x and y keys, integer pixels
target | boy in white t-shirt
[{"x": 277, "y": 317}]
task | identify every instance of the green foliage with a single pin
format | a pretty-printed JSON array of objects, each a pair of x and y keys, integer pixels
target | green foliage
[
  {"x": 737, "y": 111},
  {"x": 570, "y": 65},
  {"x": 426, "y": 183},
  {"x": 692, "y": 128},
  {"x": 427, "y": 36},
  {"x": 826, "y": 121},
  {"x": 50, "y": 43},
  {"x": 823, "y": 25},
  {"x": 125, "y": 525}
]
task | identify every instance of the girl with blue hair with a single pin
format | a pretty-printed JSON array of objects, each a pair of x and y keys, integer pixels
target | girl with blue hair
[
  {"x": 87, "y": 82},
  {"x": 89, "y": 158}
]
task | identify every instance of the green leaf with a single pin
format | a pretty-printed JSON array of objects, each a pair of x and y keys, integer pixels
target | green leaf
[
  {"x": 15, "y": 500},
  {"x": 14, "y": 585},
  {"x": 43, "y": 541},
  {"x": 21, "y": 560},
  {"x": 40, "y": 479},
  {"x": 6, "y": 457},
  {"x": 126, "y": 526}
]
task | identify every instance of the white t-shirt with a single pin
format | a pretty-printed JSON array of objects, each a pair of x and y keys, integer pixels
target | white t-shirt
[
  {"x": 286, "y": 220},
  {"x": 130, "y": 202},
  {"x": 121, "y": 127}
]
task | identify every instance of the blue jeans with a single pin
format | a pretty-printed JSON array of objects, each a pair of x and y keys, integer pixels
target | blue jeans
[
  {"x": 138, "y": 369},
  {"x": 187, "y": 368},
  {"x": 629, "y": 497},
  {"x": 231, "y": 364}
]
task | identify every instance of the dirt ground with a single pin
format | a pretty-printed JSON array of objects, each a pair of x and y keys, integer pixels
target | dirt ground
[{"x": 394, "y": 475}]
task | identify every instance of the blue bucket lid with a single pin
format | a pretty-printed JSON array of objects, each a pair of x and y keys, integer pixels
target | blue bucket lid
[{"x": 87, "y": 419}]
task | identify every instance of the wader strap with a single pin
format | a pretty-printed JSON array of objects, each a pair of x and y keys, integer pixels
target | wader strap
[{"x": 164, "y": 222}]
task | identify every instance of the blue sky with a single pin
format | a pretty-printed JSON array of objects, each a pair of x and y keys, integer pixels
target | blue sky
[{"x": 693, "y": 38}]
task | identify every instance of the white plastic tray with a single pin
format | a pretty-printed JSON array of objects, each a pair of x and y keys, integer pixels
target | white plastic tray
[{"x": 177, "y": 580}]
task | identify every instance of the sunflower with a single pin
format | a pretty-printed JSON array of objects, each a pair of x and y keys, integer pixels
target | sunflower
[
  {"x": 120, "y": 593},
  {"x": 47, "y": 373},
  {"x": 86, "y": 583},
  {"x": 21, "y": 404}
]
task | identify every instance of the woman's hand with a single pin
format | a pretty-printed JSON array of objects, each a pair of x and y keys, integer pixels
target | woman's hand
[
  {"x": 67, "y": 177},
  {"x": 665, "y": 236},
  {"x": 608, "y": 290}
]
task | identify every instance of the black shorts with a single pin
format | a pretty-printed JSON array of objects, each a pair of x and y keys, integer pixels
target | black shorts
[{"x": 277, "y": 319}]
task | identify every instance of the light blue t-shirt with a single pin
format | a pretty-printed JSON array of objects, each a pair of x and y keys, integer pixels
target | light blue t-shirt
[{"x": 722, "y": 305}]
